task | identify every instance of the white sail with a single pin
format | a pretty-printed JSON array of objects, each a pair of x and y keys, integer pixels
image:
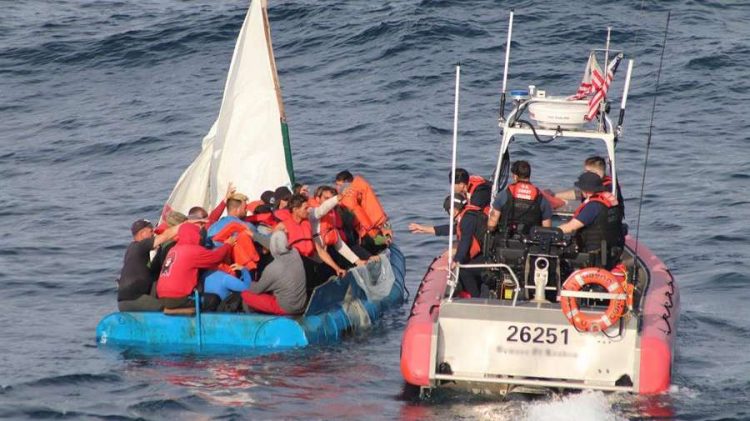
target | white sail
[{"x": 246, "y": 144}]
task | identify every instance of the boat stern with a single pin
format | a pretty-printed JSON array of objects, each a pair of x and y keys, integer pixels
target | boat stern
[{"x": 490, "y": 344}]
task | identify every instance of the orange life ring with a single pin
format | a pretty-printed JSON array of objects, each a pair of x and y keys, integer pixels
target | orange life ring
[{"x": 589, "y": 322}]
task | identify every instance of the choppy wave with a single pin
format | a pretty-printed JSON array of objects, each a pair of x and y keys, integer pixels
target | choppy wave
[{"x": 105, "y": 103}]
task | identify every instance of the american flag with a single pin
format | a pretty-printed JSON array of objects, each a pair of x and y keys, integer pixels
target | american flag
[{"x": 594, "y": 84}]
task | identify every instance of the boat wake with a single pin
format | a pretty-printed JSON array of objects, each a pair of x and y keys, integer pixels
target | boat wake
[{"x": 588, "y": 405}]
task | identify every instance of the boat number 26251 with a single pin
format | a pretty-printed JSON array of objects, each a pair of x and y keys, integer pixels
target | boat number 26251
[{"x": 537, "y": 335}]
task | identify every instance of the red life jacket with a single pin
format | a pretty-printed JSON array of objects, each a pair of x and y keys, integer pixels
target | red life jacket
[
  {"x": 524, "y": 190},
  {"x": 523, "y": 209},
  {"x": 605, "y": 198},
  {"x": 300, "y": 236},
  {"x": 474, "y": 182},
  {"x": 606, "y": 229},
  {"x": 476, "y": 247}
]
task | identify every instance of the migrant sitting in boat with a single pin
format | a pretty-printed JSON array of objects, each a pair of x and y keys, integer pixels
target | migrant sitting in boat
[{"x": 222, "y": 256}]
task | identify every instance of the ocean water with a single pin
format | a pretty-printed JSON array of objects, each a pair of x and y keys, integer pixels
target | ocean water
[{"x": 103, "y": 103}]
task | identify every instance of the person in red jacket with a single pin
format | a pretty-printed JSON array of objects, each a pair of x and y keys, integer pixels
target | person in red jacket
[{"x": 179, "y": 274}]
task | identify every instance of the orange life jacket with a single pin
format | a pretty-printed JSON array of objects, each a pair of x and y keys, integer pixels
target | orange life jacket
[
  {"x": 243, "y": 252},
  {"x": 476, "y": 248},
  {"x": 329, "y": 225},
  {"x": 366, "y": 207},
  {"x": 300, "y": 236},
  {"x": 270, "y": 219}
]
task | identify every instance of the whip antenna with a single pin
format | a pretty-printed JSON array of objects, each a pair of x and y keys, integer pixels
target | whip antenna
[
  {"x": 453, "y": 282},
  {"x": 505, "y": 69},
  {"x": 648, "y": 144}
]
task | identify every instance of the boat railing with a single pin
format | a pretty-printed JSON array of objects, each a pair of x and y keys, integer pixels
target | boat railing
[{"x": 502, "y": 266}]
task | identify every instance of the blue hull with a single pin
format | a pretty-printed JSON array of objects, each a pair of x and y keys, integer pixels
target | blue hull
[{"x": 336, "y": 307}]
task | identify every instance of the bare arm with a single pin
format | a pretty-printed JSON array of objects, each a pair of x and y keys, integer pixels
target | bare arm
[
  {"x": 347, "y": 253},
  {"x": 493, "y": 219},
  {"x": 165, "y": 236},
  {"x": 324, "y": 207},
  {"x": 571, "y": 226},
  {"x": 421, "y": 229},
  {"x": 547, "y": 223},
  {"x": 327, "y": 259},
  {"x": 567, "y": 194}
]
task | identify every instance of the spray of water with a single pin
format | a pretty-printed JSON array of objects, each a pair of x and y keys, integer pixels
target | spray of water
[{"x": 585, "y": 406}]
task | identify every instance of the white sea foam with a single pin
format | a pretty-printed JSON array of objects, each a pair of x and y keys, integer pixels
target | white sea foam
[{"x": 588, "y": 405}]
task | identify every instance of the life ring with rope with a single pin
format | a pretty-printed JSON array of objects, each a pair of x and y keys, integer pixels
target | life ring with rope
[{"x": 588, "y": 322}]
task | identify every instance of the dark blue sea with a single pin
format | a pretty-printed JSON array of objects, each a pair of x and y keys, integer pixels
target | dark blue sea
[{"x": 104, "y": 103}]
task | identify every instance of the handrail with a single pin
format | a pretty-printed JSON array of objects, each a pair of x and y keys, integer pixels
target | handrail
[{"x": 517, "y": 289}]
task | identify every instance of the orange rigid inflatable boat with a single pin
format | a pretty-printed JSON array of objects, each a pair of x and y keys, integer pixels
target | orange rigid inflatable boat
[
  {"x": 558, "y": 309},
  {"x": 657, "y": 319}
]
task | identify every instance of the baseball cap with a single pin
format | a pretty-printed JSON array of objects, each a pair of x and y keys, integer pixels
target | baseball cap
[
  {"x": 459, "y": 201},
  {"x": 139, "y": 225},
  {"x": 589, "y": 182}
]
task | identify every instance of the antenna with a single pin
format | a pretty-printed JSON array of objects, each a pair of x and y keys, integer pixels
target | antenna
[
  {"x": 505, "y": 71},
  {"x": 648, "y": 144},
  {"x": 452, "y": 281},
  {"x": 625, "y": 92}
]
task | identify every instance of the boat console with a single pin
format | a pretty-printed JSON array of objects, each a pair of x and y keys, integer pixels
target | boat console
[{"x": 541, "y": 261}]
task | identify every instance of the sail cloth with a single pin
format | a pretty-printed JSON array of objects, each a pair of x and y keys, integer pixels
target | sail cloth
[
  {"x": 248, "y": 144},
  {"x": 594, "y": 84}
]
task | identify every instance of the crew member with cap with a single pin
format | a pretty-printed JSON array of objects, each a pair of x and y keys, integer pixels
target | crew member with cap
[
  {"x": 597, "y": 165},
  {"x": 470, "y": 225},
  {"x": 136, "y": 279},
  {"x": 597, "y": 222},
  {"x": 474, "y": 187},
  {"x": 521, "y": 205}
]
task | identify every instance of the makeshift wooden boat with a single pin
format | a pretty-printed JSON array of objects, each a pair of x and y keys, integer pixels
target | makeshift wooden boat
[
  {"x": 526, "y": 336},
  {"x": 249, "y": 146}
]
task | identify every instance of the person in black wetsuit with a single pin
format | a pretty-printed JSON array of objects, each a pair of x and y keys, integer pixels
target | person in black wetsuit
[{"x": 136, "y": 280}]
